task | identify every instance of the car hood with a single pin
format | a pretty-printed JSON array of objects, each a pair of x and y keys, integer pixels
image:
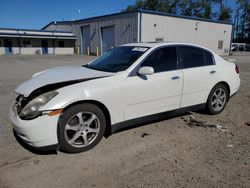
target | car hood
[{"x": 59, "y": 75}]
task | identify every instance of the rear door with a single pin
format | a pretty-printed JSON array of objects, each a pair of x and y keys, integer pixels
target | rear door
[
  {"x": 159, "y": 92},
  {"x": 199, "y": 72}
]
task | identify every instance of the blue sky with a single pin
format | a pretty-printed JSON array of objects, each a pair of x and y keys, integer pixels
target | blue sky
[{"x": 34, "y": 14}]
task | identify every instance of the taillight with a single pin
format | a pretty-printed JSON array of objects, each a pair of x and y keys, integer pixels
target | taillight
[{"x": 237, "y": 70}]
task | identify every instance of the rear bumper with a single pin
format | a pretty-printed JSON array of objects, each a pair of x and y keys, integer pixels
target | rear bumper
[
  {"x": 39, "y": 133},
  {"x": 235, "y": 87}
]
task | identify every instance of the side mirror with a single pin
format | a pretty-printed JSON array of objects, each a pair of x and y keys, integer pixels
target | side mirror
[{"x": 146, "y": 71}]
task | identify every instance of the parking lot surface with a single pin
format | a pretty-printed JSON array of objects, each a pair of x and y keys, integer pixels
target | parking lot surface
[{"x": 214, "y": 152}]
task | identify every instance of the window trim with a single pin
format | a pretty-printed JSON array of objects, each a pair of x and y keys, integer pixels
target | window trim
[
  {"x": 197, "y": 47},
  {"x": 134, "y": 72},
  {"x": 204, "y": 50}
]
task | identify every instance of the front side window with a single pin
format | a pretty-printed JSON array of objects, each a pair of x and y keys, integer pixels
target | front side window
[
  {"x": 192, "y": 57},
  {"x": 118, "y": 59},
  {"x": 163, "y": 59}
]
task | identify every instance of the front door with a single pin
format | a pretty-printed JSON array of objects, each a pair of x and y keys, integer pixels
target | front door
[
  {"x": 8, "y": 46},
  {"x": 156, "y": 93},
  {"x": 45, "y": 47}
]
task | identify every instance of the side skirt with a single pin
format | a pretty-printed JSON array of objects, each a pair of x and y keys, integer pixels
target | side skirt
[{"x": 137, "y": 122}]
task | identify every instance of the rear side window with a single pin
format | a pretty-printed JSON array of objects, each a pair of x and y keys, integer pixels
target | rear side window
[
  {"x": 209, "y": 58},
  {"x": 163, "y": 59},
  {"x": 192, "y": 57}
]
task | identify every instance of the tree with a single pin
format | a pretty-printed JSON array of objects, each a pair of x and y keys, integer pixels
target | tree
[
  {"x": 140, "y": 4},
  {"x": 225, "y": 14},
  {"x": 243, "y": 29},
  {"x": 157, "y": 5},
  {"x": 195, "y": 8}
]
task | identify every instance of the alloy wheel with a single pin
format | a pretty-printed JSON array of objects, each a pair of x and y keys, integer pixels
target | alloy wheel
[
  {"x": 219, "y": 98},
  {"x": 82, "y": 129}
]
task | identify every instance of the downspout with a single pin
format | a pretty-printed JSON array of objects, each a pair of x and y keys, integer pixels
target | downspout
[
  {"x": 53, "y": 43},
  {"x": 19, "y": 42},
  {"x": 232, "y": 36},
  {"x": 140, "y": 26}
]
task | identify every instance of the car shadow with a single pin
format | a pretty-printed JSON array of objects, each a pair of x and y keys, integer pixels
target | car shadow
[{"x": 40, "y": 151}]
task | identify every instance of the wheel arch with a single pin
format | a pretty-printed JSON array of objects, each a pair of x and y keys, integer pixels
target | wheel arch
[{"x": 102, "y": 107}]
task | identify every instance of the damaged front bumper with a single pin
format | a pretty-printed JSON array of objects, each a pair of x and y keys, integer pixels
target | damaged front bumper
[{"x": 39, "y": 132}]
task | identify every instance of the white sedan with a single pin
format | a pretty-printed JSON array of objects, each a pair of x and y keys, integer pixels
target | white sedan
[{"x": 74, "y": 107}]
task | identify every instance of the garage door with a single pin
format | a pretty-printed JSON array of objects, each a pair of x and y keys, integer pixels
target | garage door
[
  {"x": 108, "y": 38},
  {"x": 85, "y": 30}
]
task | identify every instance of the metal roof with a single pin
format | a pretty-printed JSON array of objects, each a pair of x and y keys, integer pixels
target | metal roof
[
  {"x": 38, "y": 30},
  {"x": 27, "y": 33}
]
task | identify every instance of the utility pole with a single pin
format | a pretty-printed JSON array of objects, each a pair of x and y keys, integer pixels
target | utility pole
[{"x": 237, "y": 21}]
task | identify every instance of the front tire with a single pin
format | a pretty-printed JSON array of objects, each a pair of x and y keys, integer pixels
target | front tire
[
  {"x": 81, "y": 127},
  {"x": 217, "y": 99}
]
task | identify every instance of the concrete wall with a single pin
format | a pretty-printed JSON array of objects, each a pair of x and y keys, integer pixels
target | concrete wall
[
  {"x": 37, "y": 46},
  {"x": 174, "y": 29},
  {"x": 15, "y": 48},
  {"x": 67, "y": 49},
  {"x": 125, "y": 25}
]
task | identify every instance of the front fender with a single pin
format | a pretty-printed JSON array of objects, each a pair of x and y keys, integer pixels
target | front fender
[{"x": 106, "y": 91}]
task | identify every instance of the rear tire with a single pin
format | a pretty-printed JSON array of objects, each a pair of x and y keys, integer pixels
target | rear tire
[
  {"x": 81, "y": 128},
  {"x": 217, "y": 99}
]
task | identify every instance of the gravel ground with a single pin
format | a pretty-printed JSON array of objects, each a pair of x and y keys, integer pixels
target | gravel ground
[{"x": 167, "y": 153}]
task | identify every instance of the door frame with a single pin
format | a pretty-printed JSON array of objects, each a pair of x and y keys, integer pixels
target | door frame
[
  {"x": 101, "y": 36},
  {"x": 10, "y": 48},
  {"x": 81, "y": 37},
  {"x": 45, "y": 48}
]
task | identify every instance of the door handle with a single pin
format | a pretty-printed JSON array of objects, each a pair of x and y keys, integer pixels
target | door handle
[
  {"x": 212, "y": 72},
  {"x": 175, "y": 78}
]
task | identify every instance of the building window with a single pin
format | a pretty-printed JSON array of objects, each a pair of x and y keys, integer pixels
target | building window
[
  {"x": 26, "y": 43},
  {"x": 220, "y": 44},
  {"x": 61, "y": 44},
  {"x": 159, "y": 39}
]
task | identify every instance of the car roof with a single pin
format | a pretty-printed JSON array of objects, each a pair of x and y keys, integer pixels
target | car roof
[{"x": 159, "y": 44}]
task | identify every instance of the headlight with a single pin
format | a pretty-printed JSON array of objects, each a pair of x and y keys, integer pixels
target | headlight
[{"x": 31, "y": 110}]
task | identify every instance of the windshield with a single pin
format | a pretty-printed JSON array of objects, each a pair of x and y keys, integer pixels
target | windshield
[{"x": 117, "y": 59}]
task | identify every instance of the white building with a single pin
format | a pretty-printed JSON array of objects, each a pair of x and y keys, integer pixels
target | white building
[
  {"x": 99, "y": 34},
  {"x": 24, "y": 41}
]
